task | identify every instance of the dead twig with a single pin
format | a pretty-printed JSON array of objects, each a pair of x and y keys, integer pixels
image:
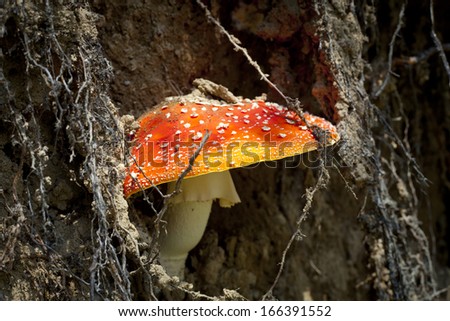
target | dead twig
[
  {"x": 391, "y": 53},
  {"x": 291, "y": 103},
  {"x": 191, "y": 161},
  {"x": 438, "y": 43},
  {"x": 422, "y": 56},
  {"x": 322, "y": 182},
  {"x": 269, "y": 294}
]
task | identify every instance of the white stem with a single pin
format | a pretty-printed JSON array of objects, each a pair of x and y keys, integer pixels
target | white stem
[
  {"x": 186, "y": 223},
  {"x": 187, "y": 216}
]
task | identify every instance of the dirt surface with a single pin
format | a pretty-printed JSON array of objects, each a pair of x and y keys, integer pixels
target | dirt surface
[{"x": 370, "y": 219}]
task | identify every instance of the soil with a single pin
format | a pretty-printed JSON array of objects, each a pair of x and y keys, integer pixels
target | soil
[{"x": 367, "y": 220}]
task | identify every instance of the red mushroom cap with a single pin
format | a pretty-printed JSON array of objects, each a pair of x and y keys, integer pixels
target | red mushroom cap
[{"x": 240, "y": 134}]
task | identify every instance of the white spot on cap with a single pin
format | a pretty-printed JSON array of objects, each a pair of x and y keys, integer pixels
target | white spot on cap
[
  {"x": 222, "y": 126},
  {"x": 184, "y": 110},
  {"x": 233, "y": 133},
  {"x": 201, "y": 122},
  {"x": 167, "y": 115},
  {"x": 198, "y": 135},
  {"x": 204, "y": 108},
  {"x": 178, "y": 132},
  {"x": 265, "y": 128},
  {"x": 194, "y": 115},
  {"x": 187, "y": 125},
  {"x": 229, "y": 114},
  {"x": 221, "y": 131},
  {"x": 163, "y": 107},
  {"x": 246, "y": 121},
  {"x": 215, "y": 109},
  {"x": 281, "y": 135},
  {"x": 303, "y": 127},
  {"x": 290, "y": 121}
]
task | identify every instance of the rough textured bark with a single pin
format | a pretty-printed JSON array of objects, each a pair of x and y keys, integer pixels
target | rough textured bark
[{"x": 370, "y": 221}]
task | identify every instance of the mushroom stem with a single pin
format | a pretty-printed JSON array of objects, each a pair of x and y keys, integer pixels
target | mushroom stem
[
  {"x": 187, "y": 216},
  {"x": 186, "y": 223}
]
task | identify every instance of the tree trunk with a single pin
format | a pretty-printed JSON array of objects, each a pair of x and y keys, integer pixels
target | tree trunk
[{"x": 364, "y": 220}]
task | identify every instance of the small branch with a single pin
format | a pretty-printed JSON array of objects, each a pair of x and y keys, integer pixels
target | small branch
[
  {"x": 391, "y": 53},
  {"x": 425, "y": 55},
  {"x": 322, "y": 181},
  {"x": 291, "y": 103},
  {"x": 191, "y": 162},
  {"x": 438, "y": 43},
  {"x": 180, "y": 179},
  {"x": 268, "y": 295}
]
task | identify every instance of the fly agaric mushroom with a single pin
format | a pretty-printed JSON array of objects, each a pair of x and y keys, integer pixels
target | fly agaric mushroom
[{"x": 240, "y": 134}]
